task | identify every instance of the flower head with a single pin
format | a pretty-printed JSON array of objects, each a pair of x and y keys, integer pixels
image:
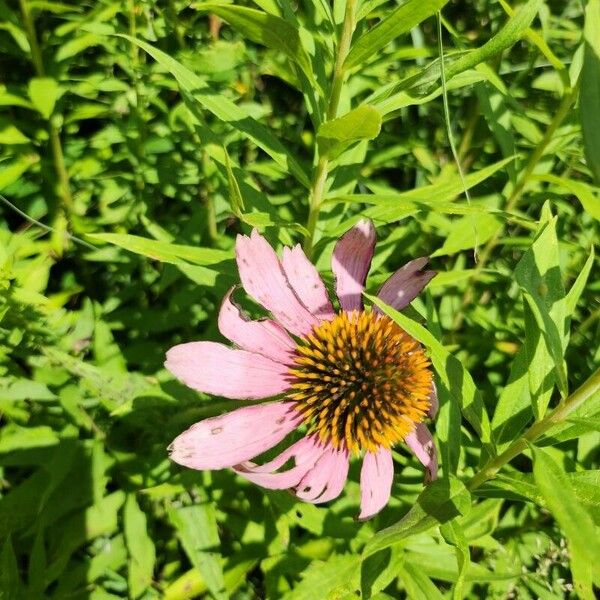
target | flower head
[{"x": 354, "y": 381}]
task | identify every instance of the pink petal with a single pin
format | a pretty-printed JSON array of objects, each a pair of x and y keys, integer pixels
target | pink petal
[
  {"x": 305, "y": 453},
  {"x": 307, "y": 283},
  {"x": 350, "y": 264},
  {"x": 434, "y": 403},
  {"x": 376, "y": 477},
  {"x": 234, "y": 437},
  {"x": 421, "y": 443},
  {"x": 325, "y": 481},
  {"x": 216, "y": 369},
  {"x": 264, "y": 279},
  {"x": 263, "y": 336},
  {"x": 405, "y": 284}
]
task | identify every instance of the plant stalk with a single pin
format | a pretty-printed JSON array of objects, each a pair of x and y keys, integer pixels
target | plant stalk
[
  {"x": 339, "y": 73},
  {"x": 58, "y": 158},
  {"x": 555, "y": 417}
]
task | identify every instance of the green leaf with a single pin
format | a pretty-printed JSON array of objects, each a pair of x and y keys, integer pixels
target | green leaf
[
  {"x": 44, "y": 92},
  {"x": 164, "y": 251},
  {"x": 362, "y": 123},
  {"x": 140, "y": 547},
  {"x": 10, "y": 582},
  {"x": 266, "y": 29},
  {"x": 586, "y": 194},
  {"x": 225, "y": 110},
  {"x": 401, "y": 21},
  {"x": 454, "y": 376},
  {"x": 11, "y": 173},
  {"x": 513, "y": 409},
  {"x": 11, "y": 135},
  {"x": 235, "y": 195},
  {"x": 538, "y": 274},
  {"x": 333, "y": 578},
  {"x": 573, "y": 295},
  {"x": 468, "y": 232},
  {"x": 418, "y": 585},
  {"x": 589, "y": 94},
  {"x": 392, "y": 207},
  {"x": 426, "y": 81},
  {"x": 454, "y": 534},
  {"x": 439, "y": 502},
  {"x": 574, "y": 520},
  {"x": 197, "y": 530}
]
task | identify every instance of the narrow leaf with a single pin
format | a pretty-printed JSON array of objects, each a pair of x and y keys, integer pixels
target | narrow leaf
[
  {"x": 401, "y": 21},
  {"x": 590, "y": 88}
]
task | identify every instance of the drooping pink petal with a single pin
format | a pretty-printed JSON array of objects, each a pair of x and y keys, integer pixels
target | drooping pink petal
[
  {"x": 234, "y": 437},
  {"x": 376, "y": 477},
  {"x": 405, "y": 284},
  {"x": 307, "y": 283},
  {"x": 216, "y": 369},
  {"x": 350, "y": 264},
  {"x": 304, "y": 452},
  {"x": 421, "y": 443},
  {"x": 264, "y": 279},
  {"x": 434, "y": 403},
  {"x": 263, "y": 336},
  {"x": 325, "y": 481}
]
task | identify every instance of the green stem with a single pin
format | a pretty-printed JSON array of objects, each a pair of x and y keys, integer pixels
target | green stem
[
  {"x": 58, "y": 157},
  {"x": 339, "y": 74},
  {"x": 556, "y": 417}
]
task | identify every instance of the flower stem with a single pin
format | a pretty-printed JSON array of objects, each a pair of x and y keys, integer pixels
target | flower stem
[
  {"x": 556, "y": 417},
  {"x": 321, "y": 171}
]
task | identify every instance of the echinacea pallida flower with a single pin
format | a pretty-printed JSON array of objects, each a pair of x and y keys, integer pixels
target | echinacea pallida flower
[{"x": 352, "y": 380}]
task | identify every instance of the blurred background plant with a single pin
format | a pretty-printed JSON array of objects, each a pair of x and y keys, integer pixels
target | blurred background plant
[{"x": 147, "y": 157}]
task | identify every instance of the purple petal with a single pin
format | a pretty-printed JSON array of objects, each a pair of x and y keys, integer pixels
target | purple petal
[
  {"x": 307, "y": 283},
  {"x": 350, "y": 264},
  {"x": 234, "y": 437},
  {"x": 264, "y": 279},
  {"x": 421, "y": 443},
  {"x": 304, "y": 452},
  {"x": 325, "y": 481},
  {"x": 376, "y": 478},
  {"x": 263, "y": 337},
  {"x": 405, "y": 284},
  {"x": 217, "y": 369}
]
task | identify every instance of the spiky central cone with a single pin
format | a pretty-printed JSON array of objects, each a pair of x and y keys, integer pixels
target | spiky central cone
[{"x": 360, "y": 381}]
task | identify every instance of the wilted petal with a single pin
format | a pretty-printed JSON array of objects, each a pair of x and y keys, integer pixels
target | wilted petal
[
  {"x": 421, "y": 443},
  {"x": 234, "y": 437},
  {"x": 434, "y": 403},
  {"x": 376, "y": 478},
  {"x": 307, "y": 283},
  {"x": 263, "y": 336},
  {"x": 325, "y": 481},
  {"x": 304, "y": 452},
  {"x": 216, "y": 369},
  {"x": 264, "y": 279},
  {"x": 350, "y": 264},
  {"x": 405, "y": 284}
]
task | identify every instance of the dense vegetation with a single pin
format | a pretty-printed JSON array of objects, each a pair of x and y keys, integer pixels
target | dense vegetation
[{"x": 138, "y": 137}]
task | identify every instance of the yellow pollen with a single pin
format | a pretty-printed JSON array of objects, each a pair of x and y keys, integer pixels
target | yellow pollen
[{"x": 368, "y": 388}]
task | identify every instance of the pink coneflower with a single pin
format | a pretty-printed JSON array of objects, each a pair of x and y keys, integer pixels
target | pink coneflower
[{"x": 353, "y": 379}]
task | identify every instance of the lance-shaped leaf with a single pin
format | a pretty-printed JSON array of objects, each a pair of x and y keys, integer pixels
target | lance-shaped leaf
[
  {"x": 538, "y": 274},
  {"x": 402, "y": 20},
  {"x": 590, "y": 88},
  {"x": 362, "y": 123}
]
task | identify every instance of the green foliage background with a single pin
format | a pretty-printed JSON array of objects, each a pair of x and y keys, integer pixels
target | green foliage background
[{"x": 183, "y": 124}]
